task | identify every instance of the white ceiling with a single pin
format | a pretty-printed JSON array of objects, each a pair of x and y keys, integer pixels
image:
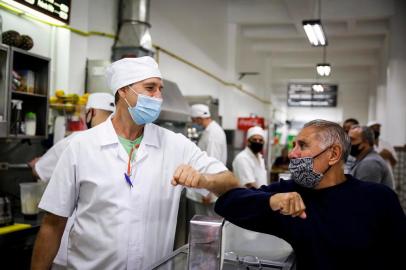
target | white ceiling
[{"x": 271, "y": 30}]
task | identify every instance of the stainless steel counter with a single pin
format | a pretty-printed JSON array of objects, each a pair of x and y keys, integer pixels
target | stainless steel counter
[
  {"x": 178, "y": 260},
  {"x": 215, "y": 245}
]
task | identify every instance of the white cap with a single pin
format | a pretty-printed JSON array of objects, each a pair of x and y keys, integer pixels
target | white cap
[
  {"x": 127, "y": 71},
  {"x": 102, "y": 101},
  {"x": 255, "y": 131},
  {"x": 373, "y": 123},
  {"x": 200, "y": 110}
]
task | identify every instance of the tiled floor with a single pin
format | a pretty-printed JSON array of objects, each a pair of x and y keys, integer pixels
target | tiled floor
[{"x": 400, "y": 175}]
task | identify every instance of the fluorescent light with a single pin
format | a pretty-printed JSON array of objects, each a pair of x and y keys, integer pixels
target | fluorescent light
[
  {"x": 31, "y": 12},
  {"x": 323, "y": 69},
  {"x": 310, "y": 35},
  {"x": 314, "y": 32}
]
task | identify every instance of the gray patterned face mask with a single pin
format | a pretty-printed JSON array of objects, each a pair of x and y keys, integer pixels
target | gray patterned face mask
[{"x": 302, "y": 171}]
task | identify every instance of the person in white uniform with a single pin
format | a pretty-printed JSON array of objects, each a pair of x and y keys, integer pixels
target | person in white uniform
[
  {"x": 124, "y": 178},
  {"x": 382, "y": 147},
  {"x": 213, "y": 141},
  {"x": 249, "y": 165},
  {"x": 98, "y": 108}
]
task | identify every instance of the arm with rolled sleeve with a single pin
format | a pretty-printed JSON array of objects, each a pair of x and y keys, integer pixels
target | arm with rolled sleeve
[
  {"x": 58, "y": 201},
  {"x": 219, "y": 179}
]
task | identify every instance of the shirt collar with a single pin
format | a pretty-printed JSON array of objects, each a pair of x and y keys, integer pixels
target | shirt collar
[
  {"x": 250, "y": 153},
  {"x": 109, "y": 135}
]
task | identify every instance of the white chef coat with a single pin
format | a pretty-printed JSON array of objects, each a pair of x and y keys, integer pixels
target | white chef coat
[
  {"x": 44, "y": 168},
  {"x": 213, "y": 141},
  {"x": 249, "y": 168},
  {"x": 117, "y": 226},
  {"x": 46, "y": 164}
]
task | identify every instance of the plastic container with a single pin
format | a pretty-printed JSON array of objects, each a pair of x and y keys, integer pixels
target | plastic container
[
  {"x": 31, "y": 194},
  {"x": 30, "y": 123}
]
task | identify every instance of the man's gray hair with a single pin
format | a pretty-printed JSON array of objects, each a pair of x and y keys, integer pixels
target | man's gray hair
[{"x": 331, "y": 133}]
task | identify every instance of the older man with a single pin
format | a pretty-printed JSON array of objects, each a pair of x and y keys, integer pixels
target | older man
[
  {"x": 249, "y": 165},
  {"x": 332, "y": 220},
  {"x": 369, "y": 165},
  {"x": 122, "y": 178}
]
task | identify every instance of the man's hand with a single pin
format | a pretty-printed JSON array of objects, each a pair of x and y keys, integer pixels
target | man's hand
[
  {"x": 187, "y": 176},
  {"x": 290, "y": 204}
]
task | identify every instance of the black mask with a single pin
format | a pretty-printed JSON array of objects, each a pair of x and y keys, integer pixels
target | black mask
[
  {"x": 256, "y": 147},
  {"x": 355, "y": 150},
  {"x": 376, "y": 134}
]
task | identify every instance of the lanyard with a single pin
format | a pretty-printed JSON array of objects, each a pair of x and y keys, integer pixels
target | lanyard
[{"x": 128, "y": 173}]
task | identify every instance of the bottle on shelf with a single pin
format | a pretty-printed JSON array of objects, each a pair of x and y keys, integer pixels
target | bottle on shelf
[{"x": 16, "y": 123}]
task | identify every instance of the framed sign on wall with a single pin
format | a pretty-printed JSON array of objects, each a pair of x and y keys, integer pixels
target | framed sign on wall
[
  {"x": 312, "y": 95},
  {"x": 56, "y": 9}
]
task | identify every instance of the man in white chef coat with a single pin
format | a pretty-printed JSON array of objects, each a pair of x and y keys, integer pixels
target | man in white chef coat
[
  {"x": 98, "y": 108},
  {"x": 249, "y": 165},
  {"x": 213, "y": 141},
  {"x": 124, "y": 178}
]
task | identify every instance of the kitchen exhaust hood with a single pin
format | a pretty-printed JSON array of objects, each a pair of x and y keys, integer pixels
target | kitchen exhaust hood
[{"x": 175, "y": 107}]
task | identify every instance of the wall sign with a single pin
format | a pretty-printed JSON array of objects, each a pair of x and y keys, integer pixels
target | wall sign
[
  {"x": 312, "y": 95},
  {"x": 57, "y": 9},
  {"x": 244, "y": 123}
]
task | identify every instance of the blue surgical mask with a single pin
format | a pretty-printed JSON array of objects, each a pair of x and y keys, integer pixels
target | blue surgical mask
[{"x": 146, "y": 110}]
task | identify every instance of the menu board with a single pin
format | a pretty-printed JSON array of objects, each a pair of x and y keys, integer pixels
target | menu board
[
  {"x": 57, "y": 9},
  {"x": 312, "y": 95}
]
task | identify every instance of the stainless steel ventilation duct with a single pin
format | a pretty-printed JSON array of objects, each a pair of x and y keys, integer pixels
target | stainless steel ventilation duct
[{"x": 133, "y": 38}]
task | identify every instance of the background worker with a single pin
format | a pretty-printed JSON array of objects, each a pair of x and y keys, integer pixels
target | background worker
[{"x": 249, "y": 164}]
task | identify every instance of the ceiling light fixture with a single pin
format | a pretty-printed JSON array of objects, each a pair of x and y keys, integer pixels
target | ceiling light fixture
[
  {"x": 314, "y": 30},
  {"x": 323, "y": 69},
  {"x": 315, "y": 33}
]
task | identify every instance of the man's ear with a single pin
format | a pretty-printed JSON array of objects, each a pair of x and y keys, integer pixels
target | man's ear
[
  {"x": 335, "y": 154},
  {"x": 122, "y": 92}
]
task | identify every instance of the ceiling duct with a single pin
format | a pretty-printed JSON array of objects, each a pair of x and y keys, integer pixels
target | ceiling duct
[{"x": 133, "y": 38}]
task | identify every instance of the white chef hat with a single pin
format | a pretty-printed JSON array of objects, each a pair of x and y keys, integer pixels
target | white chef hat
[
  {"x": 102, "y": 101},
  {"x": 373, "y": 123},
  {"x": 127, "y": 71},
  {"x": 200, "y": 110},
  {"x": 255, "y": 131}
]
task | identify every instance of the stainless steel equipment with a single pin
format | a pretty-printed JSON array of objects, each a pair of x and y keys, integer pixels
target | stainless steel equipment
[
  {"x": 133, "y": 38},
  {"x": 6, "y": 216},
  {"x": 205, "y": 247},
  {"x": 175, "y": 107},
  {"x": 240, "y": 249}
]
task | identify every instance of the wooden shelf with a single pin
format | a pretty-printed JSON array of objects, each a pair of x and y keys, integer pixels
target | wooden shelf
[
  {"x": 23, "y": 136},
  {"x": 29, "y": 94}
]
